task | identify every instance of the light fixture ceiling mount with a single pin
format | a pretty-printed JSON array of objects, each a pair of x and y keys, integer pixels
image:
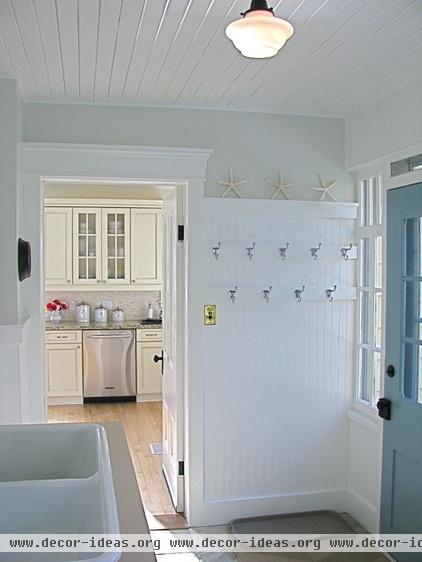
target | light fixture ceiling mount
[{"x": 259, "y": 34}]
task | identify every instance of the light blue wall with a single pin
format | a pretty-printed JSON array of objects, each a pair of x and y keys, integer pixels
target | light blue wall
[
  {"x": 10, "y": 136},
  {"x": 255, "y": 145}
]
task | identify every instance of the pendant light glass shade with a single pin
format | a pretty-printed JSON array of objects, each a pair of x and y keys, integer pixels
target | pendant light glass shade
[{"x": 259, "y": 34}]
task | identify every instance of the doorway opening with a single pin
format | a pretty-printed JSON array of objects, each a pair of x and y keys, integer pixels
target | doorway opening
[{"x": 115, "y": 322}]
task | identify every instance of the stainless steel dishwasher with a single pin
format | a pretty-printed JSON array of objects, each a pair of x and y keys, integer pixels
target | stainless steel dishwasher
[{"x": 109, "y": 365}]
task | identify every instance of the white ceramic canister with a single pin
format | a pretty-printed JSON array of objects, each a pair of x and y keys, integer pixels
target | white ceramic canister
[
  {"x": 82, "y": 312},
  {"x": 100, "y": 315},
  {"x": 118, "y": 315}
]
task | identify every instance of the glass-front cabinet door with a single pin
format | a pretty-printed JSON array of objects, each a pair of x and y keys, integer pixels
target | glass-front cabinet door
[
  {"x": 116, "y": 246},
  {"x": 86, "y": 246}
]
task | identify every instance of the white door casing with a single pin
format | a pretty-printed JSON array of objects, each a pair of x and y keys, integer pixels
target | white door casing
[{"x": 80, "y": 163}]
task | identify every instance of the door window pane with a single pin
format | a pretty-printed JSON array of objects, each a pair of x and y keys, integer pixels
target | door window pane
[
  {"x": 412, "y": 309},
  {"x": 366, "y": 375},
  {"x": 413, "y": 255},
  {"x": 365, "y": 262},
  {"x": 412, "y": 369},
  {"x": 365, "y": 332},
  {"x": 378, "y": 263},
  {"x": 378, "y": 319},
  {"x": 377, "y": 375}
]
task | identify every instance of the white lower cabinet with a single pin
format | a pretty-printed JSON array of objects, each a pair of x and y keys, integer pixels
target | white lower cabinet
[
  {"x": 64, "y": 368},
  {"x": 149, "y": 343}
]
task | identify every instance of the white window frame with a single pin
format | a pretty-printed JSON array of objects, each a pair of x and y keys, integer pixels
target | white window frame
[{"x": 372, "y": 232}]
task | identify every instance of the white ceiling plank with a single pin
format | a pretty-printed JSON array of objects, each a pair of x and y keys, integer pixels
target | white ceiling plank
[
  {"x": 129, "y": 24},
  {"x": 366, "y": 22},
  {"x": 164, "y": 42},
  {"x": 214, "y": 25},
  {"x": 47, "y": 22},
  {"x": 381, "y": 54},
  {"x": 384, "y": 86},
  {"x": 6, "y": 65},
  {"x": 311, "y": 22},
  {"x": 176, "y": 53},
  {"x": 333, "y": 31},
  {"x": 192, "y": 23},
  {"x": 392, "y": 67},
  {"x": 146, "y": 33},
  {"x": 27, "y": 24},
  {"x": 370, "y": 37},
  {"x": 67, "y": 17},
  {"x": 16, "y": 51},
  {"x": 88, "y": 42},
  {"x": 109, "y": 14}
]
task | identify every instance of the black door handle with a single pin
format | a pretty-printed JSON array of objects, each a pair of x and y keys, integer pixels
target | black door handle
[
  {"x": 157, "y": 358},
  {"x": 384, "y": 408}
]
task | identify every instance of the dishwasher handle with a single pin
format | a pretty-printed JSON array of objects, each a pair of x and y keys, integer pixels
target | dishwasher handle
[{"x": 117, "y": 336}]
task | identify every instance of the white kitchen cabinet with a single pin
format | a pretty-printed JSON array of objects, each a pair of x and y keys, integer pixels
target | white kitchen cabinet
[
  {"x": 116, "y": 246},
  {"x": 87, "y": 246},
  {"x": 146, "y": 247},
  {"x": 64, "y": 369},
  {"x": 102, "y": 246},
  {"x": 58, "y": 246},
  {"x": 149, "y": 343}
]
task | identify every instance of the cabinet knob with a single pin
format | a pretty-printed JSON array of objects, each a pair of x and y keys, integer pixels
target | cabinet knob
[
  {"x": 98, "y": 280},
  {"x": 133, "y": 281},
  {"x": 68, "y": 280}
]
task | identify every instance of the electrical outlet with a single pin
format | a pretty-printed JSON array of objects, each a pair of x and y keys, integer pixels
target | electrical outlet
[
  {"x": 210, "y": 315},
  {"x": 107, "y": 304}
]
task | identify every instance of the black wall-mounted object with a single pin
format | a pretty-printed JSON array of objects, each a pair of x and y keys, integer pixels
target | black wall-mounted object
[{"x": 24, "y": 259}]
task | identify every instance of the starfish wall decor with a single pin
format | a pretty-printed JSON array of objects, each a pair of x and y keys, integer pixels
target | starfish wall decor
[
  {"x": 281, "y": 187},
  {"x": 325, "y": 188},
  {"x": 231, "y": 185}
]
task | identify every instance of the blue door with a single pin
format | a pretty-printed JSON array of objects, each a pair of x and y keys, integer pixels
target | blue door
[{"x": 401, "y": 497}]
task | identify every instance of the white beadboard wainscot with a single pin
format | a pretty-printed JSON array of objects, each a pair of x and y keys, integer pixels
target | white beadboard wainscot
[{"x": 278, "y": 376}]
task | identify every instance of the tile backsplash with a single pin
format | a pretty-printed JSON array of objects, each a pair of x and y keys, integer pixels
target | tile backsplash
[{"x": 133, "y": 303}]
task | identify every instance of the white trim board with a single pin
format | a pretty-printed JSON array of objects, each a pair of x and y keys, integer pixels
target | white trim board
[
  {"x": 317, "y": 209},
  {"x": 177, "y": 167}
]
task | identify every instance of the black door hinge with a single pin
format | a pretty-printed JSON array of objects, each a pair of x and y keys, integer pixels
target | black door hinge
[
  {"x": 181, "y": 468},
  {"x": 181, "y": 233}
]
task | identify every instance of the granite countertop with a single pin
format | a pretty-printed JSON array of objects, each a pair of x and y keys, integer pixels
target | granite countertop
[{"x": 71, "y": 325}]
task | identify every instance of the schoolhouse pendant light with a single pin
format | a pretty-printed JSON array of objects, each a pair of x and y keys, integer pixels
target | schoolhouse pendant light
[{"x": 259, "y": 34}]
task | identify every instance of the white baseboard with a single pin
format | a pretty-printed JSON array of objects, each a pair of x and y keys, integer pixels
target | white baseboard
[
  {"x": 224, "y": 511},
  {"x": 64, "y": 400},
  {"x": 362, "y": 511}
]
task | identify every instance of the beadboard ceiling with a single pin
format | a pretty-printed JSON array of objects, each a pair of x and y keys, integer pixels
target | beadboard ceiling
[{"x": 344, "y": 55}]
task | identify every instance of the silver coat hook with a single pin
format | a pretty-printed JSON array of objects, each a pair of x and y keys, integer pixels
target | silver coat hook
[
  {"x": 298, "y": 293},
  {"x": 329, "y": 293},
  {"x": 216, "y": 251},
  {"x": 283, "y": 251},
  {"x": 232, "y": 294},
  {"x": 266, "y": 293},
  {"x": 314, "y": 251},
  {"x": 345, "y": 252},
  {"x": 249, "y": 251}
]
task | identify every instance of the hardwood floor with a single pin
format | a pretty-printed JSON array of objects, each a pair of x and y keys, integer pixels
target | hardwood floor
[{"x": 142, "y": 425}]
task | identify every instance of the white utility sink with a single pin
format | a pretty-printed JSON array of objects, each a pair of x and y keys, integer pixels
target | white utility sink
[{"x": 56, "y": 478}]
